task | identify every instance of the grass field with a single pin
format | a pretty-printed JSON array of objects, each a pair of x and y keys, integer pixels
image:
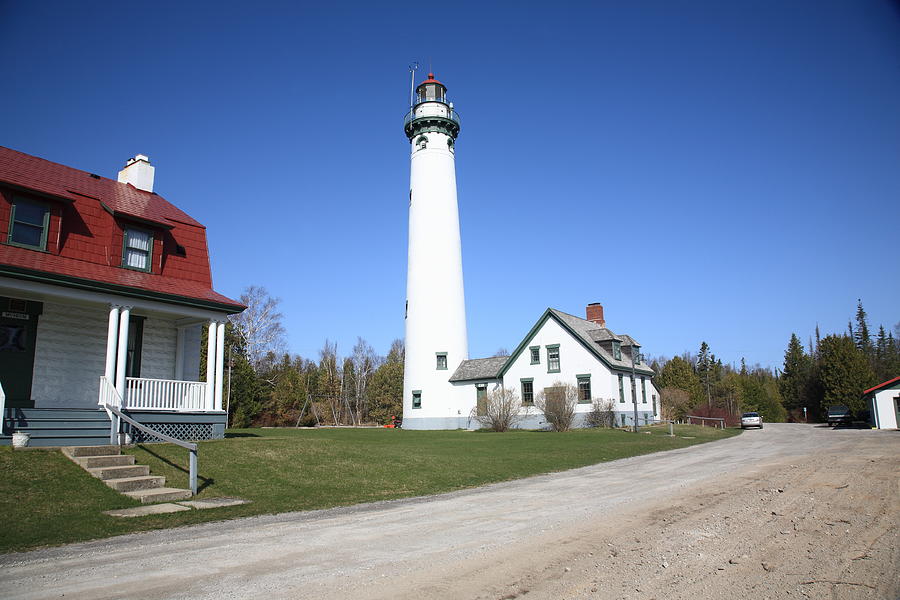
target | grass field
[{"x": 48, "y": 500}]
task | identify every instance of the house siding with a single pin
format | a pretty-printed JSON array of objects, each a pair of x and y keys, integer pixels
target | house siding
[
  {"x": 158, "y": 356},
  {"x": 69, "y": 356}
]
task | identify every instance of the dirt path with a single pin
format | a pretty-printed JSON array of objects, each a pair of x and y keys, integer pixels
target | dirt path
[{"x": 789, "y": 511}]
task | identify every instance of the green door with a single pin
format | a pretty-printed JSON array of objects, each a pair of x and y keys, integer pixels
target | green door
[
  {"x": 18, "y": 334},
  {"x": 481, "y": 400}
]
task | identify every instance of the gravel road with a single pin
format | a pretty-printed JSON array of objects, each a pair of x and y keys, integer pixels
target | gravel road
[{"x": 787, "y": 511}]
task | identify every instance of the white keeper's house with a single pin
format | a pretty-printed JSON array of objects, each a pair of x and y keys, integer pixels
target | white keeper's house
[
  {"x": 441, "y": 385},
  {"x": 105, "y": 290}
]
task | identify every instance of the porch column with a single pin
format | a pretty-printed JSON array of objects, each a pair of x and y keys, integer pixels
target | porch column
[
  {"x": 112, "y": 332},
  {"x": 122, "y": 352},
  {"x": 220, "y": 363},
  {"x": 211, "y": 364}
]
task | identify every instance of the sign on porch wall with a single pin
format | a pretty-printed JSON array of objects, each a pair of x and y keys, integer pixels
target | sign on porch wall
[{"x": 15, "y": 315}]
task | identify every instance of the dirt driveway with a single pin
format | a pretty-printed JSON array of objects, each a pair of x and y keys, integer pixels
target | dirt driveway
[{"x": 788, "y": 511}]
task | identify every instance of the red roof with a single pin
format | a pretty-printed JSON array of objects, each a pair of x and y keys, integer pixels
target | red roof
[
  {"x": 431, "y": 79},
  {"x": 881, "y": 385},
  {"x": 85, "y": 235}
]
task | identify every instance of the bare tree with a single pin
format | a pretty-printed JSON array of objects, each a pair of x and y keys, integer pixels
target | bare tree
[
  {"x": 602, "y": 413},
  {"x": 259, "y": 326},
  {"x": 365, "y": 361},
  {"x": 501, "y": 352},
  {"x": 502, "y": 410},
  {"x": 558, "y": 404},
  {"x": 674, "y": 403}
]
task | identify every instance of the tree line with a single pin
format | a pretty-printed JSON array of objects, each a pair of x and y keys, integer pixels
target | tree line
[
  {"x": 831, "y": 370},
  {"x": 267, "y": 386}
]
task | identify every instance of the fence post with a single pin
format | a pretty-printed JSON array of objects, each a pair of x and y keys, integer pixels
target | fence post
[
  {"x": 193, "y": 475},
  {"x": 672, "y": 428}
]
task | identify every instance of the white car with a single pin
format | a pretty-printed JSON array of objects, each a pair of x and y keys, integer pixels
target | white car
[{"x": 751, "y": 419}]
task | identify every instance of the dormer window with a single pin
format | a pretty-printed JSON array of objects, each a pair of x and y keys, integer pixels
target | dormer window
[
  {"x": 28, "y": 224},
  {"x": 137, "y": 249},
  {"x": 617, "y": 350}
]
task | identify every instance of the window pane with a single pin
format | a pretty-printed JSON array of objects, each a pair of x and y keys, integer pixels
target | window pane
[
  {"x": 139, "y": 240},
  {"x": 26, "y": 234},
  {"x": 136, "y": 259},
  {"x": 33, "y": 214}
]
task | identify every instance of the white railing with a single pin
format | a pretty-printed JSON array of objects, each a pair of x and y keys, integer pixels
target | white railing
[
  {"x": 2, "y": 409},
  {"x": 108, "y": 393},
  {"x": 109, "y": 397},
  {"x": 165, "y": 394}
]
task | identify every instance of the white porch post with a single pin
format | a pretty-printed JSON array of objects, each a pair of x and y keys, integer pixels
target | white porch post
[
  {"x": 122, "y": 352},
  {"x": 112, "y": 333},
  {"x": 211, "y": 365},
  {"x": 179, "y": 354},
  {"x": 220, "y": 363}
]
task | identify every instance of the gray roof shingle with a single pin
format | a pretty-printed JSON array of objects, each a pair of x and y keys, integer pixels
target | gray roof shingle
[
  {"x": 587, "y": 331},
  {"x": 479, "y": 368}
]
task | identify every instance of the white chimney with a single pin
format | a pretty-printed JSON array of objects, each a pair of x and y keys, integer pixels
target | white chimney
[{"x": 138, "y": 172}]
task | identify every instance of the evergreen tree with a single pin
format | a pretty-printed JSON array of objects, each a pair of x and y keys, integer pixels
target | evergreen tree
[
  {"x": 677, "y": 373},
  {"x": 386, "y": 388},
  {"x": 845, "y": 372},
  {"x": 794, "y": 381},
  {"x": 861, "y": 336}
]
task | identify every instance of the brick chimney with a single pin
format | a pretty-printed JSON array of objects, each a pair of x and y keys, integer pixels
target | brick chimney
[
  {"x": 594, "y": 312},
  {"x": 138, "y": 172}
]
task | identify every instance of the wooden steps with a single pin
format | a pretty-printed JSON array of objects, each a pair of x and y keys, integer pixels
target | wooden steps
[{"x": 119, "y": 472}]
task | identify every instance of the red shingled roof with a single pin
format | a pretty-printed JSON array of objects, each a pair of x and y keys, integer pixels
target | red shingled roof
[{"x": 85, "y": 233}]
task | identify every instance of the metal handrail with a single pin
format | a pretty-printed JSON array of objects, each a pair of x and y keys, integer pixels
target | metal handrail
[{"x": 192, "y": 448}]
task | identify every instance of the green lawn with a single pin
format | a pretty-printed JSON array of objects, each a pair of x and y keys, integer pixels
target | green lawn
[{"x": 48, "y": 500}]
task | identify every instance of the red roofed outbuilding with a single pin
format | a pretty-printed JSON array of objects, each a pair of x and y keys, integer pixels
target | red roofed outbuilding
[
  {"x": 884, "y": 404},
  {"x": 104, "y": 285}
]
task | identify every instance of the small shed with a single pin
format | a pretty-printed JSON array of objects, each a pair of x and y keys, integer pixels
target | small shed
[{"x": 884, "y": 404}]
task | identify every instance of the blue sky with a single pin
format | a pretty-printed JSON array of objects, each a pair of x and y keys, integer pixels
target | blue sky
[{"x": 719, "y": 171}]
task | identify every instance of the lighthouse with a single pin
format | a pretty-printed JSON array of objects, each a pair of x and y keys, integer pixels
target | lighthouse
[{"x": 436, "y": 339}]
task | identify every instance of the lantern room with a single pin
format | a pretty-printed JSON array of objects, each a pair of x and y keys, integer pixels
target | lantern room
[{"x": 431, "y": 90}]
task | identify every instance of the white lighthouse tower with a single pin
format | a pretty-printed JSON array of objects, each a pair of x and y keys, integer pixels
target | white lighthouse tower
[{"x": 436, "y": 339}]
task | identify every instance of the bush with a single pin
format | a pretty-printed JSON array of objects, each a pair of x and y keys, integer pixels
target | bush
[
  {"x": 558, "y": 404},
  {"x": 602, "y": 414},
  {"x": 502, "y": 410}
]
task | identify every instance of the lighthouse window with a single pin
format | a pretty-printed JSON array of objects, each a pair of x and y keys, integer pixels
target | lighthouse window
[
  {"x": 553, "y": 359},
  {"x": 421, "y": 142},
  {"x": 441, "y": 361},
  {"x": 417, "y": 399}
]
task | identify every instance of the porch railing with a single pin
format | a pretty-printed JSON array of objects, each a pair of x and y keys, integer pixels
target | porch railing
[
  {"x": 164, "y": 394},
  {"x": 2, "y": 410}
]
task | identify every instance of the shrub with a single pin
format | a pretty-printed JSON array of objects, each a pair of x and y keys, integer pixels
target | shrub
[
  {"x": 502, "y": 410},
  {"x": 602, "y": 414},
  {"x": 558, "y": 404}
]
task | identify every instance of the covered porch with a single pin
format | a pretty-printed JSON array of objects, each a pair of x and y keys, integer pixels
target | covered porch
[{"x": 65, "y": 353}]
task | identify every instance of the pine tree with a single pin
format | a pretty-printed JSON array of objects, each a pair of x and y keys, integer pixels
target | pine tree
[
  {"x": 861, "y": 337},
  {"x": 845, "y": 372},
  {"x": 794, "y": 381},
  {"x": 678, "y": 374}
]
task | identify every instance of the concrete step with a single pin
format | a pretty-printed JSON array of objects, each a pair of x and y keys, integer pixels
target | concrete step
[
  {"x": 76, "y": 451},
  {"x": 134, "y": 484},
  {"x": 160, "y": 494},
  {"x": 114, "y": 460},
  {"x": 119, "y": 472}
]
